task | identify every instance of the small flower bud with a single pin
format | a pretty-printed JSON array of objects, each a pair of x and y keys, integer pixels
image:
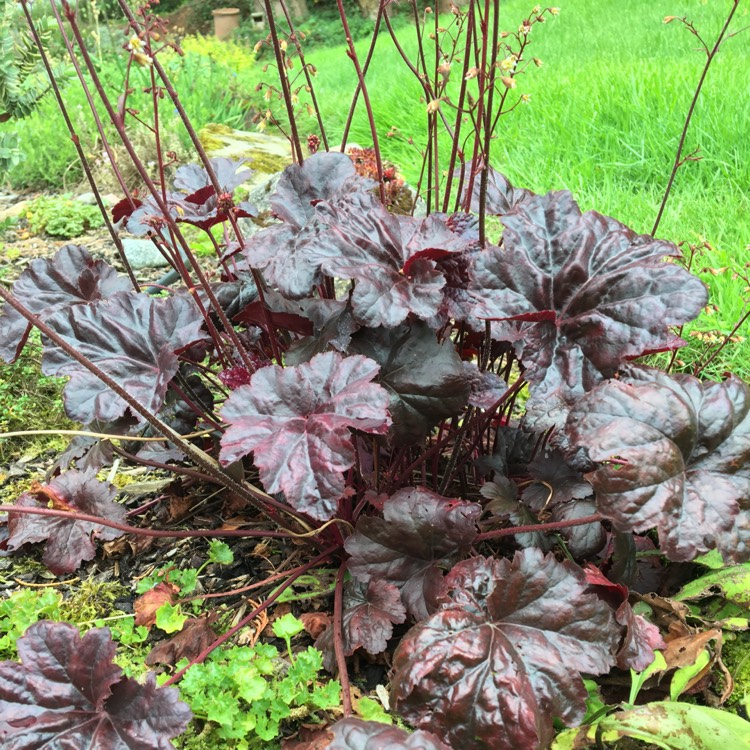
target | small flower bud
[
  {"x": 554, "y": 11},
  {"x": 433, "y": 106},
  {"x": 537, "y": 62},
  {"x": 471, "y": 73},
  {"x": 508, "y": 82}
]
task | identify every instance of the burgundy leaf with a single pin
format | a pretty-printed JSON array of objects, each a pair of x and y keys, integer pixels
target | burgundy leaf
[
  {"x": 355, "y": 734},
  {"x": 230, "y": 174},
  {"x": 195, "y": 636},
  {"x": 124, "y": 208},
  {"x": 640, "y": 637},
  {"x": 133, "y": 339},
  {"x": 612, "y": 292},
  {"x": 419, "y": 533},
  {"x": 501, "y": 658},
  {"x": 71, "y": 277},
  {"x": 68, "y": 543},
  {"x": 370, "y": 612},
  {"x": 296, "y": 422},
  {"x": 371, "y": 246},
  {"x": 672, "y": 453},
  {"x": 283, "y": 251},
  {"x": 501, "y": 198},
  {"x": 68, "y": 693},
  {"x": 425, "y": 379}
]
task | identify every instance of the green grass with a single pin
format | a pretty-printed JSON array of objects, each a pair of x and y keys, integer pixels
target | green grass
[{"x": 606, "y": 112}]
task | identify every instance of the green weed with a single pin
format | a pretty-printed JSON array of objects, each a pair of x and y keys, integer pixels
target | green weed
[{"x": 62, "y": 217}]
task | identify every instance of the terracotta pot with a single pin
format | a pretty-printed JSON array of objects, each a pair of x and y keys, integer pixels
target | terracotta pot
[{"x": 226, "y": 20}]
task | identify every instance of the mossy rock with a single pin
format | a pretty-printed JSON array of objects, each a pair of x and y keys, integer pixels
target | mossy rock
[{"x": 264, "y": 153}]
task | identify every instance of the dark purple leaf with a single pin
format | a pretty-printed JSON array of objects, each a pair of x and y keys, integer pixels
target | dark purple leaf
[
  {"x": 133, "y": 339},
  {"x": 486, "y": 387},
  {"x": 201, "y": 206},
  {"x": 612, "y": 293},
  {"x": 321, "y": 177},
  {"x": 640, "y": 638},
  {"x": 71, "y": 277},
  {"x": 370, "y": 612},
  {"x": 502, "y": 197},
  {"x": 68, "y": 543},
  {"x": 68, "y": 693},
  {"x": 672, "y": 453},
  {"x": 296, "y": 422},
  {"x": 371, "y": 246},
  {"x": 419, "y": 533},
  {"x": 283, "y": 251},
  {"x": 148, "y": 217},
  {"x": 502, "y": 657},
  {"x": 585, "y": 540},
  {"x": 503, "y": 502},
  {"x": 355, "y": 734},
  {"x": 554, "y": 481},
  {"x": 230, "y": 174},
  {"x": 425, "y": 379}
]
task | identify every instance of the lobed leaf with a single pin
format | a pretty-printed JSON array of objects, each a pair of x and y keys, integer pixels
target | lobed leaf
[
  {"x": 370, "y": 612},
  {"x": 67, "y": 543},
  {"x": 503, "y": 655},
  {"x": 672, "y": 453},
  {"x": 134, "y": 339},
  {"x": 355, "y": 734},
  {"x": 296, "y": 422},
  {"x": 67, "y": 692},
  {"x": 596, "y": 293},
  {"x": 425, "y": 379},
  {"x": 71, "y": 277},
  {"x": 419, "y": 532}
]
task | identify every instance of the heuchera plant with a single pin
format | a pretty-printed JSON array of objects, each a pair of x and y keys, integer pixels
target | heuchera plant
[{"x": 353, "y": 377}]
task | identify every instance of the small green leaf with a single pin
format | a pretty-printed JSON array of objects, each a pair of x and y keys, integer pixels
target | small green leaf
[
  {"x": 287, "y": 627},
  {"x": 219, "y": 552},
  {"x": 683, "y": 675},
  {"x": 370, "y": 710},
  {"x": 170, "y": 618}
]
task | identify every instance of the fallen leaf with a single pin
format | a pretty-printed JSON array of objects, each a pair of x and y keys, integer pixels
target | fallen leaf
[
  {"x": 146, "y": 605},
  {"x": 195, "y": 636}
]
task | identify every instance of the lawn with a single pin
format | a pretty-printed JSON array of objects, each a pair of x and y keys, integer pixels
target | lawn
[
  {"x": 604, "y": 119},
  {"x": 510, "y": 534}
]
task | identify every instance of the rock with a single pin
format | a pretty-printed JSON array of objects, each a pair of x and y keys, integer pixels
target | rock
[
  {"x": 264, "y": 153},
  {"x": 142, "y": 254},
  {"x": 89, "y": 199},
  {"x": 14, "y": 211}
]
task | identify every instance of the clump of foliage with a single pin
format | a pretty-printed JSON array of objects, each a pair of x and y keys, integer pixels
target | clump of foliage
[
  {"x": 23, "y": 78},
  {"x": 451, "y": 414},
  {"x": 62, "y": 217}
]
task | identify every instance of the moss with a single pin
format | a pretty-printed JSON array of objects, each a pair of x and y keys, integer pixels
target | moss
[
  {"x": 92, "y": 600},
  {"x": 735, "y": 654},
  {"x": 260, "y": 153}
]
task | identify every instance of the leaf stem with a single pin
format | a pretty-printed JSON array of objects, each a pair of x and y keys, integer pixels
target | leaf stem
[{"x": 552, "y": 526}]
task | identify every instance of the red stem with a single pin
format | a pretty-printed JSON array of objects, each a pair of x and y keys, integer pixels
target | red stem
[
  {"x": 553, "y": 526},
  {"x": 250, "y": 617},
  {"x": 338, "y": 641}
]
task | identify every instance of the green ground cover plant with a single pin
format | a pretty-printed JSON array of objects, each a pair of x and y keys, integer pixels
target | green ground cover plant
[{"x": 452, "y": 420}]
